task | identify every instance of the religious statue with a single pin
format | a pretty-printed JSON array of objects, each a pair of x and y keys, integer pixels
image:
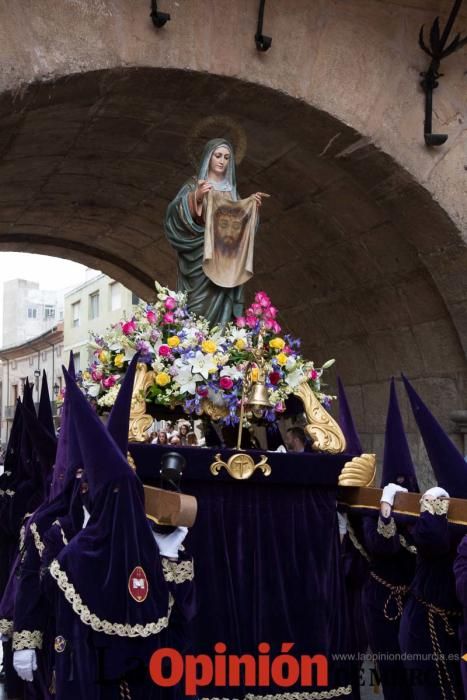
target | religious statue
[{"x": 213, "y": 233}]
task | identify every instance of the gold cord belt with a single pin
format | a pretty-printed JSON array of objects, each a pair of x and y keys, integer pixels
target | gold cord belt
[
  {"x": 397, "y": 594},
  {"x": 439, "y": 656}
]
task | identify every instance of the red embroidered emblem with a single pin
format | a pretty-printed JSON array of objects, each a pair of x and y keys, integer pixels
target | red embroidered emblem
[{"x": 138, "y": 585}]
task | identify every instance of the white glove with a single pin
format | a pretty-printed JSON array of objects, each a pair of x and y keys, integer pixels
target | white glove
[
  {"x": 25, "y": 663},
  {"x": 87, "y": 515},
  {"x": 281, "y": 448},
  {"x": 390, "y": 491},
  {"x": 171, "y": 543},
  {"x": 436, "y": 492},
  {"x": 342, "y": 522}
]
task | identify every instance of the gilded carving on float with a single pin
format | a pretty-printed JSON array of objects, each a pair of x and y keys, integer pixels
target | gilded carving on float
[
  {"x": 321, "y": 427},
  {"x": 360, "y": 471},
  {"x": 240, "y": 466},
  {"x": 140, "y": 421}
]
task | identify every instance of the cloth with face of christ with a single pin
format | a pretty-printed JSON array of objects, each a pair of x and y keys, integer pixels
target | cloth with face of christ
[{"x": 229, "y": 239}]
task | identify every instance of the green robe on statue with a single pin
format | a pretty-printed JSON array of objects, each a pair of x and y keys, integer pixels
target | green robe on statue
[{"x": 185, "y": 233}]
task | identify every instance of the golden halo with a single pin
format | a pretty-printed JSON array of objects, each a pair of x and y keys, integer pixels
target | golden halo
[{"x": 213, "y": 127}]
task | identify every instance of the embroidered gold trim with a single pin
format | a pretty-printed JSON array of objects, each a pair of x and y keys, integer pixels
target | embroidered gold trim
[
  {"x": 8, "y": 492},
  {"x": 64, "y": 539},
  {"x": 6, "y": 627},
  {"x": 27, "y": 640},
  {"x": 409, "y": 547},
  {"x": 386, "y": 530},
  {"x": 435, "y": 506},
  {"x": 98, "y": 625},
  {"x": 177, "y": 571},
  {"x": 353, "y": 538},
  {"x": 37, "y": 539},
  {"x": 313, "y": 695},
  {"x": 22, "y": 534}
]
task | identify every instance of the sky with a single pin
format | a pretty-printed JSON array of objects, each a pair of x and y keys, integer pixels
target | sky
[{"x": 51, "y": 273}]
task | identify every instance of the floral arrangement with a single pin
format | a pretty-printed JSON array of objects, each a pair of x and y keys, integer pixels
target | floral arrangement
[{"x": 194, "y": 362}]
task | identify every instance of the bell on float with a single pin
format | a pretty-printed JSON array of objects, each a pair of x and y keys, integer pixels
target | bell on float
[{"x": 258, "y": 398}]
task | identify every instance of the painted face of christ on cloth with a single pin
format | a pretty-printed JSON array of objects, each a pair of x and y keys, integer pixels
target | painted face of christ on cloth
[{"x": 229, "y": 240}]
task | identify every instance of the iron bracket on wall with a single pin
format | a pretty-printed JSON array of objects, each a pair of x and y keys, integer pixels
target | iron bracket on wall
[
  {"x": 263, "y": 43},
  {"x": 158, "y": 18},
  {"x": 438, "y": 50}
]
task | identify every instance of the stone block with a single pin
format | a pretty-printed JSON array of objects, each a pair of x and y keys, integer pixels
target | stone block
[
  {"x": 440, "y": 347},
  {"x": 395, "y": 351}
]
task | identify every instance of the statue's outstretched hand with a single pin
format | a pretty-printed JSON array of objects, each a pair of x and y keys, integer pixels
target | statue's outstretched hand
[
  {"x": 259, "y": 197},
  {"x": 201, "y": 191}
]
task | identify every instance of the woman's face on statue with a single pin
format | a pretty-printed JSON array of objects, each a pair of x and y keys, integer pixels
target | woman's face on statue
[{"x": 219, "y": 161}]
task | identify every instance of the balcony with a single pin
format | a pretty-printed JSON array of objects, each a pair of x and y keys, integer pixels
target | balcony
[{"x": 10, "y": 410}]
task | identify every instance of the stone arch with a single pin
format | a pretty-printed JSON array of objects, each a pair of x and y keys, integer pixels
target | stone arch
[{"x": 365, "y": 264}]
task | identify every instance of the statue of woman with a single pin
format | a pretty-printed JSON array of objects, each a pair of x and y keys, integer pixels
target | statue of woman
[{"x": 185, "y": 224}]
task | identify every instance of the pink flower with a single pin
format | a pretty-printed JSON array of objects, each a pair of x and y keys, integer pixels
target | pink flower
[
  {"x": 241, "y": 322},
  {"x": 164, "y": 351},
  {"x": 96, "y": 374},
  {"x": 225, "y": 383},
  {"x": 314, "y": 374},
  {"x": 279, "y": 407},
  {"x": 151, "y": 316},
  {"x": 271, "y": 312},
  {"x": 168, "y": 317},
  {"x": 269, "y": 323},
  {"x": 263, "y": 299},
  {"x": 128, "y": 327},
  {"x": 251, "y": 321},
  {"x": 202, "y": 391},
  {"x": 170, "y": 304},
  {"x": 256, "y": 309},
  {"x": 109, "y": 382},
  {"x": 276, "y": 328}
]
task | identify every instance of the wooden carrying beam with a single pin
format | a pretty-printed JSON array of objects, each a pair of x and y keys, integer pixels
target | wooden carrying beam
[
  {"x": 404, "y": 503},
  {"x": 170, "y": 507}
]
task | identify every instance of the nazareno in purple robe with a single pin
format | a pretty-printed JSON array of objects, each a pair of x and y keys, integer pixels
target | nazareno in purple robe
[{"x": 460, "y": 572}]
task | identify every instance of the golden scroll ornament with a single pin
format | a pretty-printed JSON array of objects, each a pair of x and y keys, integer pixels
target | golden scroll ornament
[
  {"x": 360, "y": 471},
  {"x": 321, "y": 427},
  {"x": 240, "y": 465},
  {"x": 140, "y": 421}
]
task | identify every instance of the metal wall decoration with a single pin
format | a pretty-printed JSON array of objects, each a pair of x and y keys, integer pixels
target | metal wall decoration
[
  {"x": 263, "y": 42},
  {"x": 438, "y": 49},
  {"x": 158, "y": 18}
]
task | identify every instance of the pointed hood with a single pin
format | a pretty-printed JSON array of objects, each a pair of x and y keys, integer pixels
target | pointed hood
[
  {"x": 44, "y": 445},
  {"x": 28, "y": 399},
  {"x": 12, "y": 453},
  {"x": 45, "y": 408},
  {"x": 448, "y": 464},
  {"x": 398, "y": 467},
  {"x": 346, "y": 422},
  {"x": 119, "y": 419},
  {"x": 125, "y": 595},
  {"x": 71, "y": 365},
  {"x": 61, "y": 473},
  {"x": 102, "y": 457}
]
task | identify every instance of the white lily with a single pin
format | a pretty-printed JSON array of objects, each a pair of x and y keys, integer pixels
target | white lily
[
  {"x": 232, "y": 372},
  {"x": 203, "y": 364},
  {"x": 187, "y": 380},
  {"x": 294, "y": 378}
]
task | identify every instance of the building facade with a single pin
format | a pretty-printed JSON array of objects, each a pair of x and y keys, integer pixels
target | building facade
[
  {"x": 28, "y": 311},
  {"x": 91, "y": 308},
  {"x": 26, "y": 361}
]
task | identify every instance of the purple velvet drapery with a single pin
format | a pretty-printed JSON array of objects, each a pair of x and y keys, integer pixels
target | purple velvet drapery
[{"x": 267, "y": 558}]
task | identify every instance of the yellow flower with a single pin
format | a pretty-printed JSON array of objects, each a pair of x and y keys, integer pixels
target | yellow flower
[
  {"x": 162, "y": 379},
  {"x": 119, "y": 360},
  {"x": 209, "y": 346},
  {"x": 254, "y": 374},
  {"x": 173, "y": 341},
  {"x": 104, "y": 356},
  {"x": 277, "y": 343},
  {"x": 86, "y": 375},
  {"x": 282, "y": 358},
  {"x": 240, "y": 344}
]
